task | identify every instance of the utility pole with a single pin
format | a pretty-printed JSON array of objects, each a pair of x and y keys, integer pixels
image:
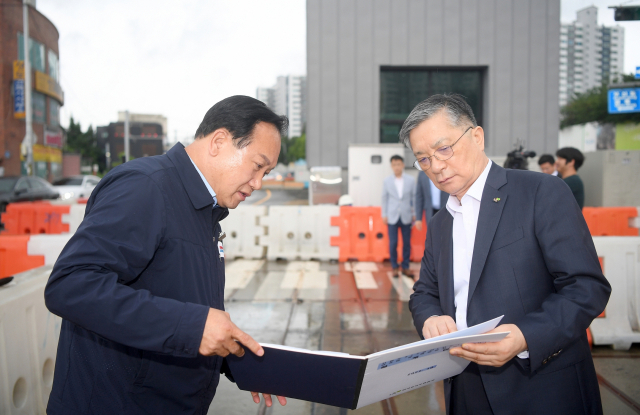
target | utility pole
[
  {"x": 28, "y": 138},
  {"x": 126, "y": 136}
]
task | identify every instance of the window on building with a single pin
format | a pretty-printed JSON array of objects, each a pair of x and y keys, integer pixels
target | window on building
[
  {"x": 54, "y": 68},
  {"x": 38, "y": 103},
  {"x": 401, "y": 88},
  {"x": 36, "y": 53},
  {"x": 54, "y": 112}
]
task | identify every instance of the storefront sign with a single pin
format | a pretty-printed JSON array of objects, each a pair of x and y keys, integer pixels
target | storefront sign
[
  {"x": 53, "y": 138},
  {"x": 48, "y": 86},
  {"x": 44, "y": 153},
  {"x": 18, "y": 70},
  {"x": 18, "y": 98}
]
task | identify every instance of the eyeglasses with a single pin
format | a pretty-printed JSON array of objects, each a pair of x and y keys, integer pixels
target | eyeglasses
[{"x": 442, "y": 153}]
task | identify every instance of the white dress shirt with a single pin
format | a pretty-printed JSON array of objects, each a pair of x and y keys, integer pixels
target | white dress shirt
[
  {"x": 399, "y": 181},
  {"x": 465, "y": 222},
  {"x": 435, "y": 196}
]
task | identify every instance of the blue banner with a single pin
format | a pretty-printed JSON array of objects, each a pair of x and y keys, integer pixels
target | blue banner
[
  {"x": 624, "y": 100},
  {"x": 18, "y": 98}
]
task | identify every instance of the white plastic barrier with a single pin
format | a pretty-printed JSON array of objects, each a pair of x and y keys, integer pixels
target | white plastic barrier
[
  {"x": 75, "y": 217},
  {"x": 243, "y": 229},
  {"x": 300, "y": 232},
  {"x": 621, "y": 260},
  {"x": 48, "y": 245},
  {"x": 28, "y": 344}
]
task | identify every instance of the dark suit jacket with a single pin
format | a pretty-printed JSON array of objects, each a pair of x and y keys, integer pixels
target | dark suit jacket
[
  {"x": 423, "y": 198},
  {"x": 535, "y": 263},
  {"x": 134, "y": 286}
]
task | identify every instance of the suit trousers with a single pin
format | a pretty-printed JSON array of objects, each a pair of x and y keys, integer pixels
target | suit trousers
[
  {"x": 393, "y": 244},
  {"x": 467, "y": 393}
]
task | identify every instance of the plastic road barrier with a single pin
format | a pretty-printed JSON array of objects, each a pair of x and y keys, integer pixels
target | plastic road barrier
[
  {"x": 48, "y": 246},
  {"x": 14, "y": 257},
  {"x": 362, "y": 234},
  {"x": 611, "y": 221},
  {"x": 620, "y": 326},
  {"x": 34, "y": 218},
  {"x": 300, "y": 232},
  {"x": 243, "y": 230},
  {"x": 28, "y": 343}
]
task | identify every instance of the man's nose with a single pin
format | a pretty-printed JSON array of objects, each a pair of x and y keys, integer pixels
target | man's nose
[
  {"x": 437, "y": 165},
  {"x": 256, "y": 183}
]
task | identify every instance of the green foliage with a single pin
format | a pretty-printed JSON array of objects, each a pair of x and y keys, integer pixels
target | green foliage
[
  {"x": 85, "y": 143},
  {"x": 591, "y": 106},
  {"x": 292, "y": 149}
]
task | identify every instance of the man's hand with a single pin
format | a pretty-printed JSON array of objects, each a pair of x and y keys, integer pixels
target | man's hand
[
  {"x": 267, "y": 399},
  {"x": 418, "y": 225},
  {"x": 220, "y": 335},
  {"x": 437, "y": 326},
  {"x": 495, "y": 353}
]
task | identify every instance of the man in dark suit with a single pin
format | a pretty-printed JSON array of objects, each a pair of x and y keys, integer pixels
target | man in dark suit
[
  {"x": 140, "y": 285},
  {"x": 510, "y": 243},
  {"x": 426, "y": 202}
]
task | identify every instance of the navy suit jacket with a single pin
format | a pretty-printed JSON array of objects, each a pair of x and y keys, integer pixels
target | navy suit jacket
[
  {"x": 535, "y": 263},
  {"x": 423, "y": 198},
  {"x": 134, "y": 286}
]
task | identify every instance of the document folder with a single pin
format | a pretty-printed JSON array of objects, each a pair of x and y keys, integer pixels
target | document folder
[{"x": 347, "y": 381}]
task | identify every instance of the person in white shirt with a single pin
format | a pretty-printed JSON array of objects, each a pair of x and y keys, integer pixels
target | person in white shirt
[
  {"x": 398, "y": 212},
  {"x": 547, "y": 164},
  {"x": 512, "y": 243}
]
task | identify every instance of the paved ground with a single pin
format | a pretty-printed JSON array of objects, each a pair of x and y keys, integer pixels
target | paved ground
[
  {"x": 323, "y": 306},
  {"x": 268, "y": 197}
]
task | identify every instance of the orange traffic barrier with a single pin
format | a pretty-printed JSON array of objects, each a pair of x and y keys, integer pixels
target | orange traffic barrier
[
  {"x": 417, "y": 242},
  {"x": 13, "y": 255},
  {"x": 610, "y": 221},
  {"x": 34, "y": 218},
  {"x": 363, "y": 234}
]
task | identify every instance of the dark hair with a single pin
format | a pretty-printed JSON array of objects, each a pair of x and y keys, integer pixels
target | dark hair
[
  {"x": 396, "y": 157},
  {"x": 455, "y": 107},
  {"x": 239, "y": 114},
  {"x": 546, "y": 158},
  {"x": 570, "y": 153}
]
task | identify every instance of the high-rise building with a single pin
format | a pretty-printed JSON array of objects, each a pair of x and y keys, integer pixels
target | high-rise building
[
  {"x": 589, "y": 54},
  {"x": 287, "y": 97}
]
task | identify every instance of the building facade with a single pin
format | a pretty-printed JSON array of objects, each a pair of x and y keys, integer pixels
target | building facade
[
  {"x": 370, "y": 62},
  {"x": 145, "y": 139},
  {"x": 589, "y": 54},
  {"x": 46, "y": 95},
  {"x": 287, "y": 97}
]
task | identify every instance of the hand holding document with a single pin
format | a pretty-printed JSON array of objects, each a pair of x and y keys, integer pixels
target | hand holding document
[{"x": 347, "y": 381}]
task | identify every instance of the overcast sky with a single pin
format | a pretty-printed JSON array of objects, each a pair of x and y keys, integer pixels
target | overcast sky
[{"x": 177, "y": 58}]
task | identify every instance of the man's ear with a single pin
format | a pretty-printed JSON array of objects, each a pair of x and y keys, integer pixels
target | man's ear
[
  {"x": 217, "y": 140},
  {"x": 571, "y": 163},
  {"x": 478, "y": 137}
]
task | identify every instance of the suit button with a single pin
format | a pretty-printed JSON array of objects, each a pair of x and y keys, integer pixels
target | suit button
[{"x": 544, "y": 362}]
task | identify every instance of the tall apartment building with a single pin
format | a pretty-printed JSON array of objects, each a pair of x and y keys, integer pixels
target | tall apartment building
[
  {"x": 287, "y": 97},
  {"x": 589, "y": 54}
]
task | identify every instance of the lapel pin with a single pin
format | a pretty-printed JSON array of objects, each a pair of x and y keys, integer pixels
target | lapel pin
[{"x": 497, "y": 199}]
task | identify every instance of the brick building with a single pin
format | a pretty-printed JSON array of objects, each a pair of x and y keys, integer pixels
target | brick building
[{"x": 47, "y": 96}]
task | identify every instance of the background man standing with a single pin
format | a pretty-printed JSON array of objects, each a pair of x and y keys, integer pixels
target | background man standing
[
  {"x": 569, "y": 161},
  {"x": 140, "y": 285},
  {"x": 547, "y": 164},
  {"x": 512, "y": 243},
  {"x": 398, "y": 212},
  {"x": 429, "y": 199}
]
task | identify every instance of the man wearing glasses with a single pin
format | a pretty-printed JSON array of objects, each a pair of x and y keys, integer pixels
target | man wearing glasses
[{"x": 510, "y": 243}]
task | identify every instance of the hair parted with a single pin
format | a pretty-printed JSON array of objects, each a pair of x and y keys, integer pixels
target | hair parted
[
  {"x": 455, "y": 106},
  {"x": 239, "y": 114}
]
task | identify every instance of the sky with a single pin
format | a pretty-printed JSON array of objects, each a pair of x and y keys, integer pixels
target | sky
[{"x": 178, "y": 58}]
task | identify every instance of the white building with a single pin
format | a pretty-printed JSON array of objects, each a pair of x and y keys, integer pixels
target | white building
[
  {"x": 589, "y": 54},
  {"x": 287, "y": 97}
]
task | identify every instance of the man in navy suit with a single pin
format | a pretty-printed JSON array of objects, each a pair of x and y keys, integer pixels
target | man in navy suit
[
  {"x": 398, "y": 193},
  {"x": 429, "y": 199},
  {"x": 512, "y": 243}
]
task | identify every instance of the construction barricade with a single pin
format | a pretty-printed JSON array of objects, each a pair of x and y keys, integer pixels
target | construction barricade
[
  {"x": 34, "y": 218},
  {"x": 611, "y": 221},
  {"x": 620, "y": 325},
  {"x": 28, "y": 343},
  {"x": 300, "y": 232},
  {"x": 243, "y": 230},
  {"x": 14, "y": 257}
]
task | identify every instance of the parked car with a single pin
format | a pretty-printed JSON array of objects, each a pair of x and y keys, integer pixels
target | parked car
[
  {"x": 24, "y": 189},
  {"x": 76, "y": 186}
]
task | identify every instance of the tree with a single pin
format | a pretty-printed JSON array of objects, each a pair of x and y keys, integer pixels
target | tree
[
  {"x": 292, "y": 149},
  {"x": 85, "y": 143},
  {"x": 592, "y": 106}
]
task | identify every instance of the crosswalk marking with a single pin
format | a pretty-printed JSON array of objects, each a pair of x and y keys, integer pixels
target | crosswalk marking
[
  {"x": 365, "y": 266},
  {"x": 403, "y": 286},
  {"x": 365, "y": 280}
]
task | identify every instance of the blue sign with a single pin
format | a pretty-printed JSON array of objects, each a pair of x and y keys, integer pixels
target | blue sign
[
  {"x": 622, "y": 101},
  {"x": 18, "y": 98},
  {"x": 637, "y": 72}
]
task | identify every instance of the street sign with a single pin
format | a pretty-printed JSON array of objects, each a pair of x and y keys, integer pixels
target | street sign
[
  {"x": 625, "y": 100},
  {"x": 637, "y": 72},
  {"x": 18, "y": 70},
  {"x": 18, "y": 98}
]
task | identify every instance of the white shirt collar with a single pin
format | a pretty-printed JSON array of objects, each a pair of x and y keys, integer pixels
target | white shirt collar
[
  {"x": 206, "y": 183},
  {"x": 475, "y": 191}
]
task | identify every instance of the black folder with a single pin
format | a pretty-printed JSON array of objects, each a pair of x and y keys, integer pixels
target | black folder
[{"x": 327, "y": 379}]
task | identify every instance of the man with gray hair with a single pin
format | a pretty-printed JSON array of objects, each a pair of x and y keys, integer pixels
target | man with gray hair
[{"x": 510, "y": 243}]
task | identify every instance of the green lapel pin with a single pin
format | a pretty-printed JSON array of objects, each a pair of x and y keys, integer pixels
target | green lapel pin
[{"x": 497, "y": 199}]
